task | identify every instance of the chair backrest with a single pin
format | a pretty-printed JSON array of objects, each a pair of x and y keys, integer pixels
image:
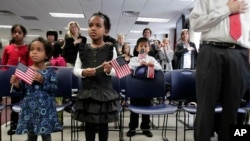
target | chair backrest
[
  {"x": 5, "y": 75},
  {"x": 115, "y": 83},
  {"x": 145, "y": 88},
  {"x": 182, "y": 84},
  {"x": 64, "y": 76},
  {"x": 76, "y": 83},
  {"x": 167, "y": 77}
]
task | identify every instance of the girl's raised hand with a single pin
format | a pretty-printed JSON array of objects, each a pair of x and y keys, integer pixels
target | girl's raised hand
[
  {"x": 38, "y": 77},
  {"x": 14, "y": 81}
]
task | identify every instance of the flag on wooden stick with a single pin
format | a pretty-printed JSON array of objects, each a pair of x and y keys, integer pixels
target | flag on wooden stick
[
  {"x": 121, "y": 68},
  {"x": 25, "y": 73}
]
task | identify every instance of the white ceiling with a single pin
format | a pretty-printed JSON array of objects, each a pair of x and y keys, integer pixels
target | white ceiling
[{"x": 171, "y": 9}]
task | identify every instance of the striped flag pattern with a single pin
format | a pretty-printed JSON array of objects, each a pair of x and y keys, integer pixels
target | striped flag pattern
[
  {"x": 121, "y": 68},
  {"x": 25, "y": 73}
]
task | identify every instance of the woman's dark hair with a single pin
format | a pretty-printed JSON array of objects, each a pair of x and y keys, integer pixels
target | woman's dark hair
[
  {"x": 47, "y": 47},
  {"x": 106, "y": 19},
  {"x": 52, "y": 33},
  {"x": 22, "y": 28},
  {"x": 145, "y": 29}
]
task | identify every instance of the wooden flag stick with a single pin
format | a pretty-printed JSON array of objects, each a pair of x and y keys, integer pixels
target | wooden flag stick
[
  {"x": 98, "y": 67},
  {"x": 11, "y": 89},
  {"x": 101, "y": 65}
]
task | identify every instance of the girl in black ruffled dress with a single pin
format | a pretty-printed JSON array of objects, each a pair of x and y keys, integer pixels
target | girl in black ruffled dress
[{"x": 97, "y": 103}]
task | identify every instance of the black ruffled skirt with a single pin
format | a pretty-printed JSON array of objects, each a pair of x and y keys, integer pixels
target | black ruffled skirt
[{"x": 97, "y": 106}]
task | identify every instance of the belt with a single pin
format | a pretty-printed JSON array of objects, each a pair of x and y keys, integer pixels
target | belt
[{"x": 222, "y": 44}]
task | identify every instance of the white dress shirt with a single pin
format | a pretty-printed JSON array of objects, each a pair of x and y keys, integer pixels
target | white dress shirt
[
  {"x": 211, "y": 17},
  {"x": 135, "y": 62}
]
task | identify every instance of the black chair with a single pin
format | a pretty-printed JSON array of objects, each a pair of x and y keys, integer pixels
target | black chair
[
  {"x": 118, "y": 86},
  {"x": 5, "y": 86},
  {"x": 64, "y": 76},
  {"x": 150, "y": 88},
  {"x": 76, "y": 85}
]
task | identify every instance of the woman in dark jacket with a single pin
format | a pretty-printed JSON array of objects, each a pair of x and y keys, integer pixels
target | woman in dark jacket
[
  {"x": 185, "y": 52},
  {"x": 73, "y": 39}
]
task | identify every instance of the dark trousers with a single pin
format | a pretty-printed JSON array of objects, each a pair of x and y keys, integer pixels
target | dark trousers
[
  {"x": 92, "y": 128},
  {"x": 222, "y": 74},
  {"x": 134, "y": 118}
]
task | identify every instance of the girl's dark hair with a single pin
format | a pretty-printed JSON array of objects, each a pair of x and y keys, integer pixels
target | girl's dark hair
[
  {"x": 107, "y": 23},
  {"x": 123, "y": 49},
  {"x": 22, "y": 28},
  {"x": 47, "y": 47}
]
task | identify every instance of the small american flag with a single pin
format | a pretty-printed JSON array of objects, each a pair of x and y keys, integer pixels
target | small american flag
[
  {"x": 121, "y": 68},
  {"x": 25, "y": 73},
  {"x": 142, "y": 54}
]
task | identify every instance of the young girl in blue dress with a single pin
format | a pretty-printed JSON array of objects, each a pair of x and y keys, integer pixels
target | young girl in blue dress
[
  {"x": 38, "y": 114},
  {"x": 97, "y": 103}
]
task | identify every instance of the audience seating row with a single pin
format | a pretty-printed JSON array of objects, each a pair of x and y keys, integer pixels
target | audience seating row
[{"x": 179, "y": 84}]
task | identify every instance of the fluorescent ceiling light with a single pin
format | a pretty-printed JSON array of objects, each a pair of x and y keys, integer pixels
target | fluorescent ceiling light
[
  {"x": 135, "y": 31},
  {"x": 132, "y": 39},
  {"x": 5, "y": 26},
  {"x": 186, "y": 0},
  {"x": 66, "y": 15},
  {"x": 143, "y": 19},
  {"x": 82, "y": 29}
]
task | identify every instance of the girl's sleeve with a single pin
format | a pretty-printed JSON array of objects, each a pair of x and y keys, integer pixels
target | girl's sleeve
[
  {"x": 157, "y": 65},
  {"x": 112, "y": 72},
  {"x": 50, "y": 83},
  {"x": 171, "y": 55},
  {"x": 134, "y": 62},
  {"x": 4, "y": 57},
  {"x": 77, "y": 68}
]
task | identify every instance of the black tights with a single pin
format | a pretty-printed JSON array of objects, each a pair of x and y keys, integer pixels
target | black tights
[
  {"x": 91, "y": 128},
  {"x": 33, "y": 137}
]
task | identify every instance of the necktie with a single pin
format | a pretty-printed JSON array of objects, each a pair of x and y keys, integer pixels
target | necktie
[{"x": 235, "y": 26}]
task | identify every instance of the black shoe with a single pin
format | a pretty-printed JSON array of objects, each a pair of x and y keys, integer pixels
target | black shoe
[
  {"x": 130, "y": 133},
  {"x": 11, "y": 132},
  {"x": 147, "y": 133},
  {"x": 12, "y": 129}
]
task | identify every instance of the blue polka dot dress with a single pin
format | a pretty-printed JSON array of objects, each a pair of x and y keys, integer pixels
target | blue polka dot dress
[{"x": 38, "y": 114}]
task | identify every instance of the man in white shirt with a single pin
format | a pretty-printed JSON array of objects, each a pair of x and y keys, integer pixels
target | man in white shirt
[{"x": 222, "y": 66}]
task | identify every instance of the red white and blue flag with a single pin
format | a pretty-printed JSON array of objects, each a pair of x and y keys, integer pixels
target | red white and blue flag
[
  {"x": 25, "y": 73},
  {"x": 142, "y": 54},
  {"x": 121, "y": 68}
]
